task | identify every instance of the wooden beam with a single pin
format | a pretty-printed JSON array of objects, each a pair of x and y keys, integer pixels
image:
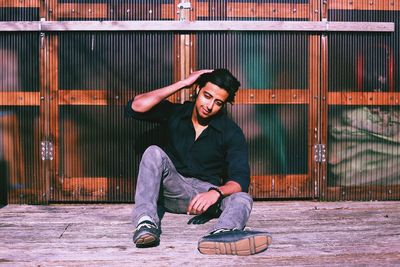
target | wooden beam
[
  {"x": 323, "y": 115},
  {"x": 95, "y": 189},
  {"x": 19, "y": 98},
  {"x": 20, "y": 3},
  {"x": 54, "y": 117},
  {"x": 376, "y": 5},
  {"x": 93, "y": 97},
  {"x": 314, "y": 121},
  {"x": 20, "y": 26},
  {"x": 80, "y": 11},
  {"x": 364, "y": 98},
  {"x": 82, "y": 97},
  {"x": 281, "y": 186},
  {"x": 272, "y": 96},
  {"x": 365, "y": 193},
  {"x": 89, "y": 184},
  {"x": 43, "y": 181},
  {"x": 244, "y": 96},
  {"x": 191, "y": 26},
  {"x": 359, "y": 27},
  {"x": 267, "y": 10}
]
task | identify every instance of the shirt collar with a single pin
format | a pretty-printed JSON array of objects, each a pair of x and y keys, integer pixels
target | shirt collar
[{"x": 216, "y": 121}]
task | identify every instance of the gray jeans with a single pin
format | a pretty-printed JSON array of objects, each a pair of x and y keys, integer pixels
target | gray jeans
[{"x": 158, "y": 178}]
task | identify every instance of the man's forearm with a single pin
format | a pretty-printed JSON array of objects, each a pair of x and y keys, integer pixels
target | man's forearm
[
  {"x": 230, "y": 188},
  {"x": 146, "y": 101}
]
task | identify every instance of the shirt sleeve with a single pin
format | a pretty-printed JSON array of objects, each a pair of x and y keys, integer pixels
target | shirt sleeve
[
  {"x": 238, "y": 168},
  {"x": 159, "y": 113}
]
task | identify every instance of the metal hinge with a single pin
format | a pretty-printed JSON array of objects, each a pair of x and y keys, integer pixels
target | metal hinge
[
  {"x": 46, "y": 150},
  {"x": 181, "y": 7},
  {"x": 320, "y": 153}
]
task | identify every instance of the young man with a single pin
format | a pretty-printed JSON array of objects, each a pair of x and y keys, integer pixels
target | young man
[{"x": 203, "y": 169}]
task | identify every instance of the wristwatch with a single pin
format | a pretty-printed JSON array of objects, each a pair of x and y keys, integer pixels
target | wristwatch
[{"x": 221, "y": 196}]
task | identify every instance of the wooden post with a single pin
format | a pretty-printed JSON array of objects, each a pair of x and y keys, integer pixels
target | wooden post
[
  {"x": 41, "y": 184},
  {"x": 184, "y": 49},
  {"x": 54, "y": 114},
  {"x": 323, "y": 132},
  {"x": 314, "y": 82}
]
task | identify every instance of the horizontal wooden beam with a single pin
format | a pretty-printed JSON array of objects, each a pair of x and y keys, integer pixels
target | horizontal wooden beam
[
  {"x": 359, "y": 27},
  {"x": 244, "y": 96},
  {"x": 281, "y": 186},
  {"x": 267, "y": 10},
  {"x": 364, "y": 98},
  {"x": 82, "y": 10},
  {"x": 19, "y": 98},
  {"x": 375, "y": 5},
  {"x": 262, "y": 186},
  {"x": 20, "y": 3},
  {"x": 254, "y": 10},
  {"x": 204, "y": 9},
  {"x": 93, "y": 189},
  {"x": 268, "y": 96},
  {"x": 191, "y": 26},
  {"x": 367, "y": 192},
  {"x": 83, "y": 97},
  {"x": 168, "y": 11}
]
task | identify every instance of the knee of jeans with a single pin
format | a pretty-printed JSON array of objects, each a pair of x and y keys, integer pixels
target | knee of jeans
[
  {"x": 243, "y": 198},
  {"x": 153, "y": 152}
]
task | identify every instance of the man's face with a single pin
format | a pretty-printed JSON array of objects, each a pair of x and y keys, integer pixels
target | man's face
[{"x": 210, "y": 100}]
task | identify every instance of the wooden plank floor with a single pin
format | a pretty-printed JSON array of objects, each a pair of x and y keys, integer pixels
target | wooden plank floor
[{"x": 304, "y": 233}]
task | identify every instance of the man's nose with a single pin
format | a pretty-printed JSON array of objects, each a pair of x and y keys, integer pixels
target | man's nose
[{"x": 210, "y": 105}]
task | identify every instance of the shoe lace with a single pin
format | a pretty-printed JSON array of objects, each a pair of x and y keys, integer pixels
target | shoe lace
[
  {"x": 146, "y": 224},
  {"x": 223, "y": 230}
]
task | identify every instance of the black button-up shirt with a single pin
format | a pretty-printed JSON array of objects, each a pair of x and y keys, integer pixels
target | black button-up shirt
[{"x": 218, "y": 155}]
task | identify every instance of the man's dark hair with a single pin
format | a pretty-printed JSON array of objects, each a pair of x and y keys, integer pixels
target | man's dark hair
[{"x": 222, "y": 78}]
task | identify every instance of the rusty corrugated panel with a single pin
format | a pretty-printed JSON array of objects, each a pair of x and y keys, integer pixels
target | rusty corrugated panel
[
  {"x": 364, "y": 125},
  {"x": 115, "y": 10},
  {"x": 99, "y": 148},
  {"x": 253, "y": 10},
  {"x": 268, "y": 65},
  {"x": 19, "y": 115}
]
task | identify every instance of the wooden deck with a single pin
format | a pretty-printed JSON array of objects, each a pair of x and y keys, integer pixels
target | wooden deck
[{"x": 304, "y": 233}]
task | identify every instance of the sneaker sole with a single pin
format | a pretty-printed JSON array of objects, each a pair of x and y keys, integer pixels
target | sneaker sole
[
  {"x": 147, "y": 240},
  {"x": 243, "y": 247}
]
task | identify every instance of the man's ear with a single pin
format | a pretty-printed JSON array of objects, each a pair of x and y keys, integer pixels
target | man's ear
[{"x": 196, "y": 92}]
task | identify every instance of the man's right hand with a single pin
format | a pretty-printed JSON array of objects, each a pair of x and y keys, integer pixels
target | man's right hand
[{"x": 192, "y": 78}]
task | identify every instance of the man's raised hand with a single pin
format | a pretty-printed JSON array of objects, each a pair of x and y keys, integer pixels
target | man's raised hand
[{"x": 192, "y": 78}]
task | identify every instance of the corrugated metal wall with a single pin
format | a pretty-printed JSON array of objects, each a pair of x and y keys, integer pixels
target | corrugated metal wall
[
  {"x": 66, "y": 91},
  {"x": 364, "y": 126}
]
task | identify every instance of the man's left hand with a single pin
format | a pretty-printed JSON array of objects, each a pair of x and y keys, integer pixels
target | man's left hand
[{"x": 201, "y": 202}]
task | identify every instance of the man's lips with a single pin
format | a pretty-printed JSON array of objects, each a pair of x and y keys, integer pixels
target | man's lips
[{"x": 204, "y": 111}]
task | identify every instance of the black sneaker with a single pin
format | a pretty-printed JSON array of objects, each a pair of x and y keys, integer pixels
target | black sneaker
[
  {"x": 146, "y": 235},
  {"x": 234, "y": 242}
]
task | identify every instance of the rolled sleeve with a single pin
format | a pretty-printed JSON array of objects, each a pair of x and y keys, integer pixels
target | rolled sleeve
[{"x": 238, "y": 161}]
